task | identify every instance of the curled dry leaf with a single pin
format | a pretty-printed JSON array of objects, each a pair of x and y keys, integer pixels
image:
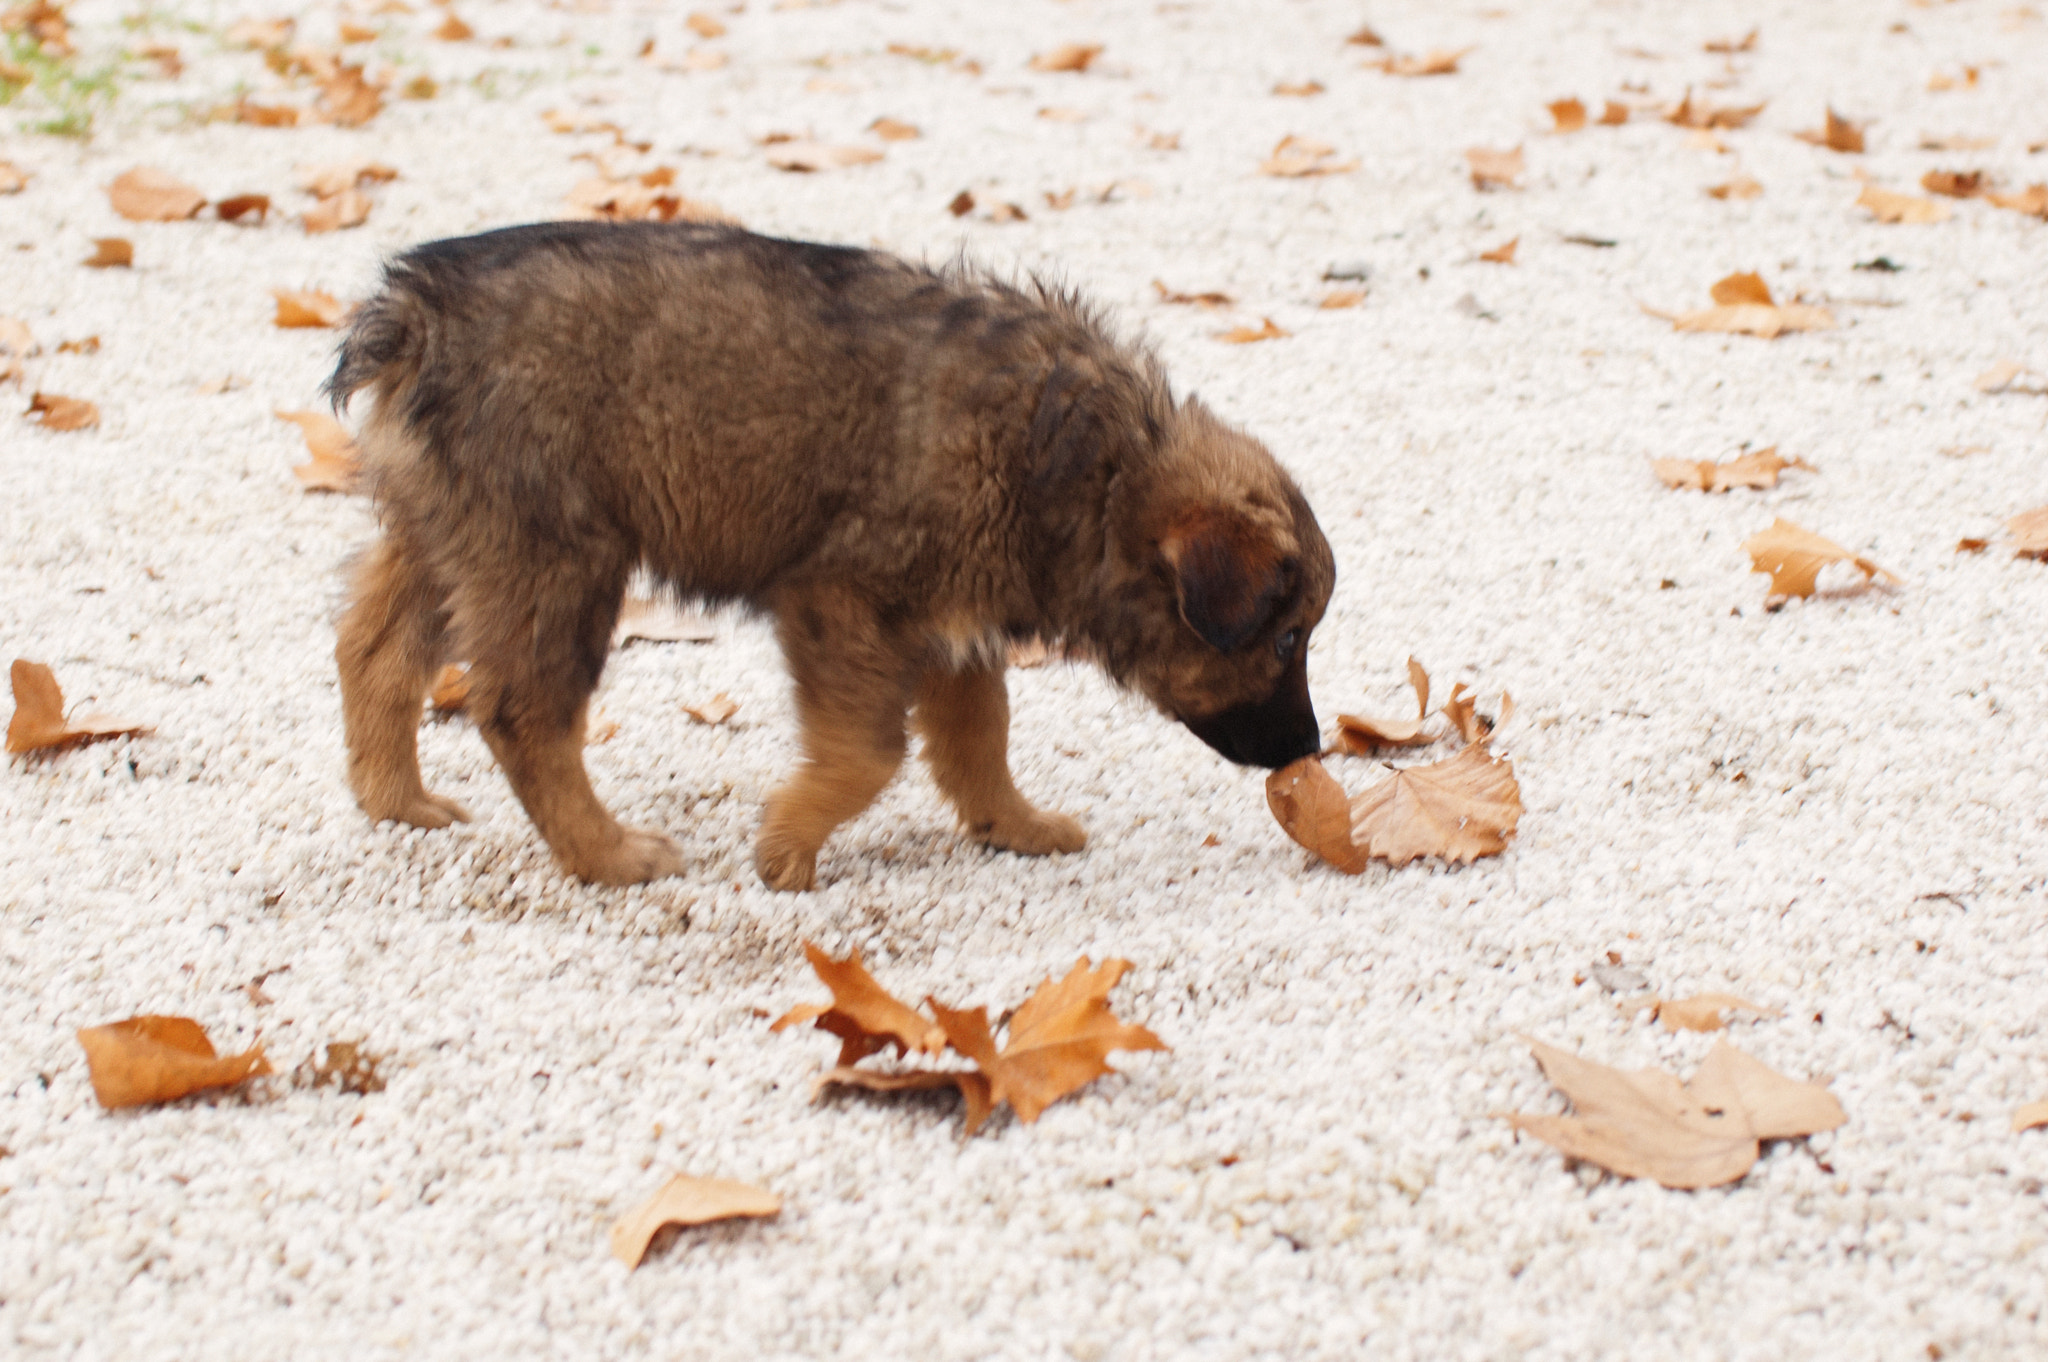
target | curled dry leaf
[
  {"x": 1067, "y": 57},
  {"x": 160, "y": 1059},
  {"x": 1746, "y": 43},
  {"x": 326, "y": 181},
  {"x": 451, "y": 689},
  {"x": 1954, "y": 184},
  {"x": 1743, "y": 305},
  {"x": 714, "y": 711},
  {"x": 684, "y": 1200},
  {"x": 659, "y": 620},
  {"x": 1701, "y": 1012},
  {"x": 1503, "y": 254},
  {"x": 349, "y": 208},
  {"x": 306, "y": 308},
  {"x": 1494, "y": 169},
  {"x": 1299, "y": 89},
  {"x": 1362, "y": 736},
  {"x": 1312, "y": 808},
  {"x": 53, "y": 412},
  {"x": 1613, "y": 113},
  {"x": 809, "y": 157},
  {"x": 2029, "y": 531},
  {"x": 1838, "y": 134},
  {"x": 1341, "y": 298},
  {"x": 1703, "y": 116},
  {"x": 972, "y": 1086},
  {"x": 1365, "y": 37},
  {"x": 1567, "y": 115},
  {"x": 864, "y": 1016},
  {"x": 39, "y": 725},
  {"x": 2032, "y": 1116},
  {"x": 1211, "y": 299},
  {"x": 239, "y": 206},
  {"x": 1458, "y": 809},
  {"x": 110, "y": 252},
  {"x": 638, "y": 198},
  {"x": 1793, "y": 556},
  {"x": 1462, "y": 709},
  {"x": 1972, "y": 545},
  {"x": 894, "y": 130},
  {"x": 334, "y": 466},
  {"x": 1296, "y": 158},
  {"x": 1437, "y": 63},
  {"x": 1886, "y": 206},
  {"x": 145, "y": 195},
  {"x": 1245, "y": 335},
  {"x": 1646, "y": 1124},
  {"x": 1759, "y": 468},
  {"x": 2032, "y": 201},
  {"x": 1741, "y": 187}
]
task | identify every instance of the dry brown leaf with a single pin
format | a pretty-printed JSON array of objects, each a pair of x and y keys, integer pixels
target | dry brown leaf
[
  {"x": 1955, "y": 184},
  {"x": 266, "y": 115},
  {"x": 334, "y": 466},
  {"x": 1613, "y": 114},
  {"x": 1342, "y": 298},
  {"x": 1245, "y": 335},
  {"x": 1701, "y": 1012},
  {"x": 1068, "y": 57},
  {"x": 1567, "y": 115},
  {"x": 53, "y": 412},
  {"x": 1438, "y": 63},
  {"x": 2029, "y": 530},
  {"x": 961, "y": 204},
  {"x": 1058, "y": 1041},
  {"x": 1793, "y": 556},
  {"x": 1737, "y": 289},
  {"x": 338, "y": 177},
  {"x": 640, "y": 198},
  {"x": 354, "y": 33},
  {"x": 238, "y": 206},
  {"x": 2032, "y": 1116},
  {"x": 2033, "y": 200},
  {"x": 88, "y": 346},
  {"x": 39, "y": 725},
  {"x": 1744, "y": 305},
  {"x": 1008, "y": 212},
  {"x": 13, "y": 179},
  {"x": 349, "y": 208},
  {"x": 1741, "y": 187},
  {"x": 1942, "y": 80},
  {"x": 810, "y": 157},
  {"x": 714, "y": 711},
  {"x": 1646, "y": 1124},
  {"x": 1503, "y": 254},
  {"x": 453, "y": 30},
  {"x": 1999, "y": 376},
  {"x": 864, "y": 1016},
  {"x": 110, "y": 252},
  {"x": 1746, "y": 43},
  {"x": 684, "y": 1200},
  {"x": 1759, "y": 468},
  {"x": 16, "y": 339},
  {"x": 894, "y": 130},
  {"x": 1972, "y": 545},
  {"x": 160, "y": 1059},
  {"x": 972, "y": 1086},
  {"x": 261, "y": 34},
  {"x": 1301, "y": 89},
  {"x": 1839, "y": 134},
  {"x": 306, "y": 307},
  {"x": 659, "y": 620},
  {"x": 1296, "y": 158},
  {"x": 1312, "y": 808},
  {"x": 1705, "y": 117},
  {"x": 451, "y": 689},
  {"x": 146, "y": 195},
  {"x": 1365, "y": 37},
  {"x": 1058, "y": 115},
  {"x": 705, "y": 25},
  {"x": 1362, "y": 736},
  {"x": 347, "y": 99},
  {"x": 1494, "y": 169},
  {"x": 1886, "y": 206},
  {"x": 1459, "y": 809},
  {"x": 1211, "y": 299}
]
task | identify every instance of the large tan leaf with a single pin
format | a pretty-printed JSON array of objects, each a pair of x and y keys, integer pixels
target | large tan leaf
[
  {"x": 146, "y": 195},
  {"x": 1360, "y": 736},
  {"x": 334, "y": 466},
  {"x": 684, "y": 1200},
  {"x": 158, "y": 1059},
  {"x": 1760, "y": 468},
  {"x": 1777, "y": 1107},
  {"x": 1458, "y": 809},
  {"x": 1312, "y": 808},
  {"x": 862, "y": 1014},
  {"x": 1794, "y": 556},
  {"x": 38, "y": 723}
]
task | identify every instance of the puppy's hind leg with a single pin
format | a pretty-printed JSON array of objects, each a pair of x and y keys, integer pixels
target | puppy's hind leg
[
  {"x": 965, "y": 718},
  {"x": 386, "y": 649}
]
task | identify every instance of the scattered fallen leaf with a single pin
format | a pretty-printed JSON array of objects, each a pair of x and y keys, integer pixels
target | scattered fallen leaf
[
  {"x": 684, "y": 1200},
  {"x": 2032, "y": 1116},
  {"x": 1567, "y": 115},
  {"x": 714, "y": 711},
  {"x": 2033, "y": 200},
  {"x": 1942, "y": 80},
  {"x": 1299, "y": 157},
  {"x": 52, "y": 412},
  {"x": 1744, "y": 305},
  {"x": 39, "y": 724},
  {"x": 705, "y": 25},
  {"x": 110, "y": 252},
  {"x": 451, "y": 689},
  {"x": 1341, "y": 298},
  {"x": 16, "y": 340},
  {"x": 1741, "y": 187},
  {"x": 261, "y": 34},
  {"x": 89, "y": 345},
  {"x": 13, "y": 179},
  {"x": 2030, "y": 532},
  {"x": 1312, "y": 808},
  {"x": 1701, "y": 1012},
  {"x": 1211, "y": 299},
  {"x": 338, "y": 177},
  {"x": 145, "y": 195},
  {"x": 348, "y": 1067},
  {"x": 601, "y": 730},
  {"x": 239, "y": 206},
  {"x": 453, "y": 30},
  {"x": 1792, "y": 556},
  {"x": 1759, "y": 468},
  {"x": 1068, "y": 57},
  {"x": 1365, "y": 37},
  {"x": 1613, "y": 114},
  {"x": 1957, "y": 143},
  {"x": 214, "y": 387},
  {"x": 1459, "y": 809},
  {"x": 306, "y": 307},
  {"x": 266, "y": 115},
  {"x": 1972, "y": 545},
  {"x": 349, "y": 208},
  {"x": 1746, "y": 43},
  {"x": 659, "y": 620},
  {"x": 1299, "y": 89},
  {"x": 638, "y": 198},
  {"x": 972, "y": 1086},
  {"x": 961, "y": 204},
  {"x": 864, "y": 1016},
  {"x": 1999, "y": 376},
  {"x": 1362, "y": 736},
  {"x": 1494, "y": 169},
  {"x": 1438, "y": 63},
  {"x": 1956, "y": 184},
  {"x": 1503, "y": 254},
  {"x": 1245, "y": 335},
  {"x": 160, "y": 1059},
  {"x": 347, "y": 98},
  {"x": 1706, "y": 117},
  {"x": 894, "y": 130},
  {"x": 334, "y": 465},
  {"x": 810, "y": 157},
  {"x": 1706, "y": 139},
  {"x": 1061, "y": 200},
  {"x": 1057, "y": 115},
  {"x": 1886, "y": 206},
  {"x": 1646, "y": 1124},
  {"x": 1837, "y": 135},
  {"x": 354, "y": 33}
]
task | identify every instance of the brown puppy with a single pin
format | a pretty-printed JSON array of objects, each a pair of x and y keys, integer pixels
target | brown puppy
[{"x": 907, "y": 469}]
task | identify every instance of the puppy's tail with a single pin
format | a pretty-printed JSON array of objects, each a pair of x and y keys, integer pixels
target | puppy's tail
[{"x": 384, "y": 344}]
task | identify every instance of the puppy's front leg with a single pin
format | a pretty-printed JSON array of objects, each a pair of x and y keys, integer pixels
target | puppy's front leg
[{"x": 965, "y": 719}]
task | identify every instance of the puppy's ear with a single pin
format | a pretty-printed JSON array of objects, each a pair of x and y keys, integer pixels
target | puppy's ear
[{"x": 1230, "y": 575}]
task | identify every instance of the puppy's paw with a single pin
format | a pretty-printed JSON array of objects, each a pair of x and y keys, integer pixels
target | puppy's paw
[
  {"x": 639, "y": 856},
  {"x": 422, "y": 810},
  {"x": 784, "y": 865},
  {"x": 1035, "y": 832}
]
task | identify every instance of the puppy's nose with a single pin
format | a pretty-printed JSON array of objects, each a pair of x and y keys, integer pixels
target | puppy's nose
[{"x": 1271, "y": 732}]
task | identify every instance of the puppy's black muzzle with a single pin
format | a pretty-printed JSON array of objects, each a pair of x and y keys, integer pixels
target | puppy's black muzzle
[{"x": 1271, "y": 732}]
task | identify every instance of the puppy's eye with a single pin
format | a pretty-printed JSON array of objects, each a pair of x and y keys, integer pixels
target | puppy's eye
[{"x": 1286, "y": 644}]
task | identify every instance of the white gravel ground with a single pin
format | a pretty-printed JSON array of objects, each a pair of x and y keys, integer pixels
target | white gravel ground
[{"x": 1836, "y": 809}]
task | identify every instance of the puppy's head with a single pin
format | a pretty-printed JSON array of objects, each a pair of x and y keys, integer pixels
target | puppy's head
[{"x": 1234, "y": 576}]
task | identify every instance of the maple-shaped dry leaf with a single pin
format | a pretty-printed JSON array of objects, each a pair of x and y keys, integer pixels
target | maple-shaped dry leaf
[
  {"x": 1793, "y": 556},
  {"x": 1245, "y": 335},
  {"x": 862, "y": 1014},
  {"x": 54, "y": 412},
  {"x": 972, "y": 1087},
  {"x": 1567, "y": 115},
  {"x": 1838, "y": 134},
  {"x": 1494, "y": 169},
  {"x": 306, "y": 308},
  {"x": 1705, "y": 117},
  {"x": 160, "y": 1059},
  {"x": 1210, "y": 299},
  {"x": 451, "y": 689},
  {"x": 714, "y": 711},
  {"x": 38, "y": 723},
  {"x": 1360, "y": 736},
  {"x": 894, "y": 130},
  {"x": 2032, "y": 1116},
  {"x": 1886, "y": 206},
  {"x": 1059, "y": 1040},
  {"x": 1503, "y": 254},
  {"x": 2033, "y": 200},
  {"x": 1744, "y": 306},
  {"x": 334, "y": 466},
  {"x": 1954, "y": 184},
  {"x": 238, "y": 206},
  {"x": 1458, "y": 809},
  {"x": 110, "y": 252},
  {"x": 684, "y": 1200},
  {"x": 349, "y": 208},
  {"x": 2030, "y": 532},
  {"x": 1759, "y": 468},
  {"x": 659, "y": 620},
  {"x": 1646, "y": 1124},
  {"x": 1437, "y": 63},
  {"x": 146, "y": 195},
  {"x": 1067, "y": 57},
  {"x": 1701, "y": 1012},
  {"x": 1741, "y": 187},
  {"x": 1295, "y": 158}
]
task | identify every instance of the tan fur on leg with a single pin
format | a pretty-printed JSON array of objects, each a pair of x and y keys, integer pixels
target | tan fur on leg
[
  {"x": 965, "y": 719},
  {"x": 846, "y": 765}
]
